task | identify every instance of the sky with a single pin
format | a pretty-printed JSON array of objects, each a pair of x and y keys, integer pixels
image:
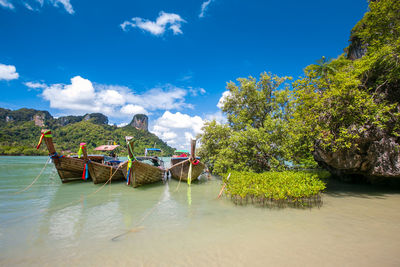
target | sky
[{"x": 170, "y": 60}]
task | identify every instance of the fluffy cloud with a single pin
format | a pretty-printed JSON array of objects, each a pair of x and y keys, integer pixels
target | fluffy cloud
[
  {"x": 218, "y": 116},
  {"x": 204, "y": 7},
  {"x": 35, "y": 86},
  {"x": 81, "y": 96},
  {"x": 157, "y": 27},
  {"x": 196, "y": 91},
  {"x": 224, "y": 96},
  {"x": 6, "y": 4},
  {"x": 65, "y": 3},
  {"x": 35, "y": 5},
  {"x": 131, "y": 109},
  {"x": 177, "y": 129},
  {"x": 8, "y": 72}
]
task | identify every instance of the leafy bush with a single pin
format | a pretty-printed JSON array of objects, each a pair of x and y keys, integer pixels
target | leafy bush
[{"x": 288, "y": 187}]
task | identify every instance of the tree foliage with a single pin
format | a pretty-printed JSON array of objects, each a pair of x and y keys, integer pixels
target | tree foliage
[
  {"x": 337, "y": 108},
  {"x": 256, "y": 136},
  {"x": 335, "y": 104}
]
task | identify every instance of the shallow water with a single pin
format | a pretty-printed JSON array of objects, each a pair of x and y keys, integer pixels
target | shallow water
[{"x": 176, "y": 225}]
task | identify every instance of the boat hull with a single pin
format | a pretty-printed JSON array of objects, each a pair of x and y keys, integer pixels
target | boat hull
[
  {"x": 180, "y": 170},
  {"x": 142, "y": 173},
  {"x": 101, "y": 173},
  {"x": 69, "y": 169}
]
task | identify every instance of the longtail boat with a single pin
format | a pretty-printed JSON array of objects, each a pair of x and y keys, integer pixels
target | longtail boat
[
  {"x": 137, "y": 172},
  {"x": 109, "y": 169},
  {"x": 187, "y": 168},
  {"x": 69, "y": 168},
  {"x": 179, "y": 155}
]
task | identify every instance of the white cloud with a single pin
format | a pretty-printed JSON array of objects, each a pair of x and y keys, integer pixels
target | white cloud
[
  {"x": 122, "y": 124},
  {"x": 6, "y": 4},
  {"x": 177, "y": 128},
  {"x": 79, "y": 96},
  {"x": 8, "y": 72},
  {"x": 131, "y": 109},
  {"x": 224, "y": 96},
  {"x": 204, "y": 7},
  {"x": 159, "y": 26},
  {"x": 112, "y": 97},
  {"x": 28, "y": 6},
  {"x": 65, "y": 3},
  {"x": 35, "y": 85},
  {"x": 218, "y": 116},
  {"x": 35, "y": 5},
  {"x": 82, "y": 96},
  {"x": 196, "y": 91}
]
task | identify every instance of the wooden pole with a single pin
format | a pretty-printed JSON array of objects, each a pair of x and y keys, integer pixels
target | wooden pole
[
  {"x": 193, "y": 149},
  {"x": 86, "y": 160},
  {"x": 223, "y": 187},
  {"x": 129, "y": 144},
  {"x": 50, "y": 146}
]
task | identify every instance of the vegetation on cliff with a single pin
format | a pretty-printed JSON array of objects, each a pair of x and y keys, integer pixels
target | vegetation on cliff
[{"x": 20, "y": 135}]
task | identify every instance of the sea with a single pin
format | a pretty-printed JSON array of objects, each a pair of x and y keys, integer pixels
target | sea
[{"x": 174, "y": 224}]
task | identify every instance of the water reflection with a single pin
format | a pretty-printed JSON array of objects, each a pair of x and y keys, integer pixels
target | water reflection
[{"x": 354, "y": 220}]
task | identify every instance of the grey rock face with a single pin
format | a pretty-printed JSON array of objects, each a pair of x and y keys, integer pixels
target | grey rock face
[
  {"x": 376, "y": 157},
  {"x": 140, "y": 121}
]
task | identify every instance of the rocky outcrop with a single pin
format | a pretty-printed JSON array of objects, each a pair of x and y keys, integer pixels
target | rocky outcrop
[
  {"x": 140, "y": 121},
  {"x": 39, "y": 119},
  {"x": 356, "y": 48},
  {"x": 376, "y": 157},
  {"x": 96, "y": 118}
]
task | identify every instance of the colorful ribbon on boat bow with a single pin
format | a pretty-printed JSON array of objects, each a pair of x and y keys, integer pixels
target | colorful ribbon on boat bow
[
  {"x": 81, "y": 146},
  {"x": 85, "y": 174},
  {"x": 129, "y": 167},
  {"x": 45, "y": 134}
]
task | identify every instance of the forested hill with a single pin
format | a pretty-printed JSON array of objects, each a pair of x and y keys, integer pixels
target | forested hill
[{"x": 20, "y": 132}]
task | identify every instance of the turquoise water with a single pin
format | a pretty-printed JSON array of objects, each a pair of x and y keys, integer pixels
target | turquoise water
[{"x": 175, "y": 225}]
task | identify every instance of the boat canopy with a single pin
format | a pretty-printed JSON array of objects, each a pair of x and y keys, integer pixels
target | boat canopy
[
  {"x": 106, "y": 147},
  {"x": 153, "y": 149},
  {"x": 182, "y": 151},
  {"x": 150, "y": 150}
]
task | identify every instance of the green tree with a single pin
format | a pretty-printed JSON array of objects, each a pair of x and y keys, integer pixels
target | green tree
[{"x": 257, "y": 136}]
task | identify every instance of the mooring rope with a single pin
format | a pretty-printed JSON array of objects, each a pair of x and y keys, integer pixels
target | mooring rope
[
  {"x": 34, "y": 180},
  {"x": 180, "y": 178},
  {"x": 137, "y": 226},
  {"x": 64, "y": 205}
]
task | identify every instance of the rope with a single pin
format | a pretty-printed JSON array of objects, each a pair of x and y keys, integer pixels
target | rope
[
  {"x": 34, "y": 180},
  {"x": 64, "y": 205},
  {"x": 180, "y": 179},
  {"x": 137, "y": 226},
  {"x": 189, "y": 178}
]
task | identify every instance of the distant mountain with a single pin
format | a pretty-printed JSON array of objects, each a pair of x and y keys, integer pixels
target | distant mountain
[{"x": 20, "y": 132}]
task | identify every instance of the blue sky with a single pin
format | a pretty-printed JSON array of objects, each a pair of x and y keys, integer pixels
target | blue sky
[{"x": 168, "y": 59}]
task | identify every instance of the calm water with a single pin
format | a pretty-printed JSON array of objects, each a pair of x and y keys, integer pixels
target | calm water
[{"x": 166, "y": 225}]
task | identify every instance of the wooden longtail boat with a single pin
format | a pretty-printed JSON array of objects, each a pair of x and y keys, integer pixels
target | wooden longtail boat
[
  {"x": 69, "y": 168},
  {"x": 179, "y": 155},
  {"x": 108, "y": 168},
  {"x": 137, "y": 172},
  {"x": 181, "y": 166}
]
